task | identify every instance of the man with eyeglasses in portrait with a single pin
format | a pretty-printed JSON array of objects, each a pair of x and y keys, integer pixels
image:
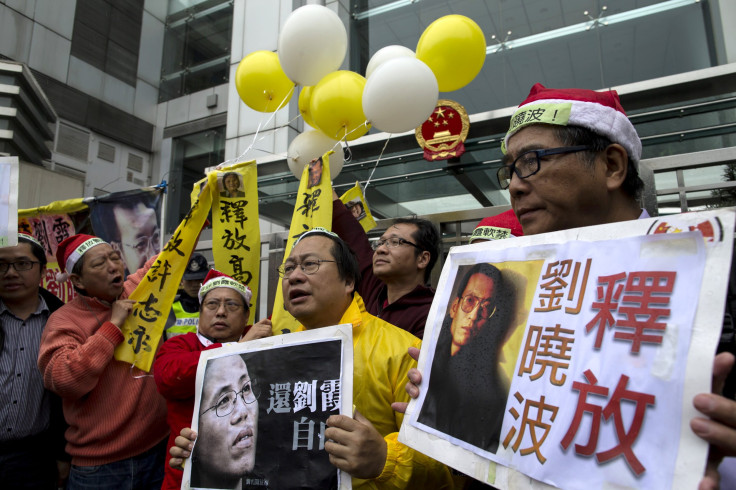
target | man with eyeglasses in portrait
[
  {"x": 394, "y": 269},
  {"x": 228, "y": 425},
  {"x": 31, "y": 420},
  {"x": 117, "y": 420},
  {"x": 467, "y": 391},
  {"x": 223, "y": 314}
]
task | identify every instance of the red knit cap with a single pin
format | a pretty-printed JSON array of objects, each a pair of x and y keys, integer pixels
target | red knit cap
[
  {"x": 601, "y": 112},
  {"x": 71, "y": 249},
  {"x": 216, "y": 279},
  {"x": 497, "y": 227}
]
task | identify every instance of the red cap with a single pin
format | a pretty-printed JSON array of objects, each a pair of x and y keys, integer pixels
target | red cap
[
  {"x": 497, "y": 227},
  {"x": 216, "y": 279},
  {"x": 71, "y": 249}
]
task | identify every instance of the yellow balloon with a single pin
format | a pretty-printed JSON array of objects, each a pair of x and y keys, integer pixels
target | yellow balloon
[
  {"x": 304, "y": 99},
  {"x": 261, "y": 83},
  {"x": 337, "y": 105},
  {"x": 454, "y": 47}
]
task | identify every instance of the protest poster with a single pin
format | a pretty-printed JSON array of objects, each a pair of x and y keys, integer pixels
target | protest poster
[
  {"x": 354, "y": 200},
  {"x": 8, "y": 201},
  {"x": 261, "y": 410},
  {"x": 313, "y": 208},
  {"x": 236, "y": 235},
  {"x": 570, "y": 359}
]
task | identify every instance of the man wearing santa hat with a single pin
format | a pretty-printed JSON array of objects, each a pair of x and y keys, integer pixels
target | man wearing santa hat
[
  {"x": 224, "y": 304},
  {"x": 571, "y": 160},
  {"x": 498, "y": 227},
  {"x": 117, "y": 420}
]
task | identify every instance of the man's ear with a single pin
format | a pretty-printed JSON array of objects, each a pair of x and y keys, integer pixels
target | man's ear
[
  {"x": 350, "y": 287},
  {"x": 76, "y": 281},
  {"x": 423, "y": 259},
  {"x": 453, "y": 308},
  {"x": 617, "y": 164}
]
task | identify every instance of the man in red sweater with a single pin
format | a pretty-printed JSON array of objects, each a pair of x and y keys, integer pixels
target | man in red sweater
[
  {"x": 394, "y": 275},
  {"x": 223, "y": 313},
  {"x": 117, "y": 420}
]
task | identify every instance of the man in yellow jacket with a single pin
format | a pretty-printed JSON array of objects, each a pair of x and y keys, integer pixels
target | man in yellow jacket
[{"x": 318, "y": 285}]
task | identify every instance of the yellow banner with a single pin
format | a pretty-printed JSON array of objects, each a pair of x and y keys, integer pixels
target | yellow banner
[
  {"x": 354, "y": 200},
  {"x": 57, "y": 207},
  {"x": 313, "y": 208},
  {"x": 236, "y": 233},
  {"x": 155, "y": 293}
]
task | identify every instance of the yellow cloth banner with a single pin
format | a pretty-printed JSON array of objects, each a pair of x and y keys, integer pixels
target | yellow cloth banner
[
  {"x": 236, "y": 232},
  {"x": 57, "y": 207},
  {"x": 354, "y": 200},
  {"x": 313, "y": 208},
  {"x": 156, "y": 291}
]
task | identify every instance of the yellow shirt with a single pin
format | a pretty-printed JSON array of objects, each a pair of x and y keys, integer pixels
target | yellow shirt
[{"x": 381, "y": 364}]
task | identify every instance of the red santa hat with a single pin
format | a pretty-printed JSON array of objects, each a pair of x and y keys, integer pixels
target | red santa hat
[
  {"x": 71, "y": 249},
  {"x": 216, "y": 279},
  {"x": 504, "y": 225},
  {"x": 601, "y": 112}
]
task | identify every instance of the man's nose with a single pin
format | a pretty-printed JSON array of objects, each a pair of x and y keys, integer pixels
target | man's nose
[{"x": 11, "y": 272}]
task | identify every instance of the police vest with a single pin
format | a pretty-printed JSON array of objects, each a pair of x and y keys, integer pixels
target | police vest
[{"x": 185, "y": 322}]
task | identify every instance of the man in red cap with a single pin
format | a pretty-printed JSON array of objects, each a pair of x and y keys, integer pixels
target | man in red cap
[
  {"x": 223, "y": 313},
  {"x": 503, "y": 225},
  {"x": 31, "y": 421},
  {"x": 117, "y": 420},
  {"x": 571, "y": 160}
]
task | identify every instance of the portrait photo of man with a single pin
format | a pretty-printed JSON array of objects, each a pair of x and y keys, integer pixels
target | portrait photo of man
[
  {"x": 129, "y": 222},
  {"x": 464, "y": 401},
  {"x": 315, "y": 172},
  {"x": 231, "y": 186},
  {"x": 356, "y": 208},
  {"x": 228, "y": 425}
]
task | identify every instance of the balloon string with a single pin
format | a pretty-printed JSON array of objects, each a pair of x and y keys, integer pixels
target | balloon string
[
  {"x": 261, "y": 124},
  {"x": 377, "y": 160}
]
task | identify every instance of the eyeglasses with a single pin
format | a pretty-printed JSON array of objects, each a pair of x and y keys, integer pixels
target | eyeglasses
[
  {"x": 308, "y": 267},
  {"x": 392, "y": 242},
  {"x": 143, "y": 244},
  {"x": 214, "y": 305},
  {"x": 528, "y": 163},
  {"x": 470, "y": 303},
  {"x": 21, "y": 265},
  {"x": 226, "y": 403}
]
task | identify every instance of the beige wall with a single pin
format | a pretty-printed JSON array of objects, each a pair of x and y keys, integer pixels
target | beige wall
[{"x": 38, "y": 186}]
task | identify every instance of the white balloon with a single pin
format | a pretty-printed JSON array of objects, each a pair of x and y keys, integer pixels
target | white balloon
[
  {"x": 400, "y": 95},
  {"x": 388, "y": 53},
  {"x": 310, "y": 145},
  {"x": 312, "y": 43}
]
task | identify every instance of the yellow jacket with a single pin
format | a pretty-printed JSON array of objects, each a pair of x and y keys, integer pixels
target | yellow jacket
[{"x": 381, "y": 364}]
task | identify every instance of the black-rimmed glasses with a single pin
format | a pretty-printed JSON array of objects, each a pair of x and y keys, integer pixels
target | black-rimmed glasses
[
  {"x": 393, "y": 242},
  {"x": 21, "y": 265},
  {"x": 226, "y": 403},
  {"x": 528, "y": 163},
  {"x": 308, "y": 267}
]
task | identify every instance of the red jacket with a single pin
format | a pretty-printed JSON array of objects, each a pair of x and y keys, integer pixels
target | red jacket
[
  {"x": 408, "y": 312},
  {"x": 175, "y": 372}
]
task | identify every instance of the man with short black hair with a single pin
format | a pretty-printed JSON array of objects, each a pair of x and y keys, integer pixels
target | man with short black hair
[
  {"x": 318, "y": 284},
  {"x": 31, "y": 421},
  {"x": 395, "y": 273}
]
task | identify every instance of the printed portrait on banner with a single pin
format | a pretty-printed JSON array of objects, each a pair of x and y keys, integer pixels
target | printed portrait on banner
[
  {"x": 261, "y": 414},
  {"x": 229, "y": 184},
  {"x": 130, "y": 222},
  {"x": 569, "y": 361}
]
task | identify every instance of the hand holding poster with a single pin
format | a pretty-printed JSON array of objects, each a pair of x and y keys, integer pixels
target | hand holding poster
[
  {"x": 575, "y": 362},
  {"x": 355, "y": 201},
  {"x": 261, "y": 411}
]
